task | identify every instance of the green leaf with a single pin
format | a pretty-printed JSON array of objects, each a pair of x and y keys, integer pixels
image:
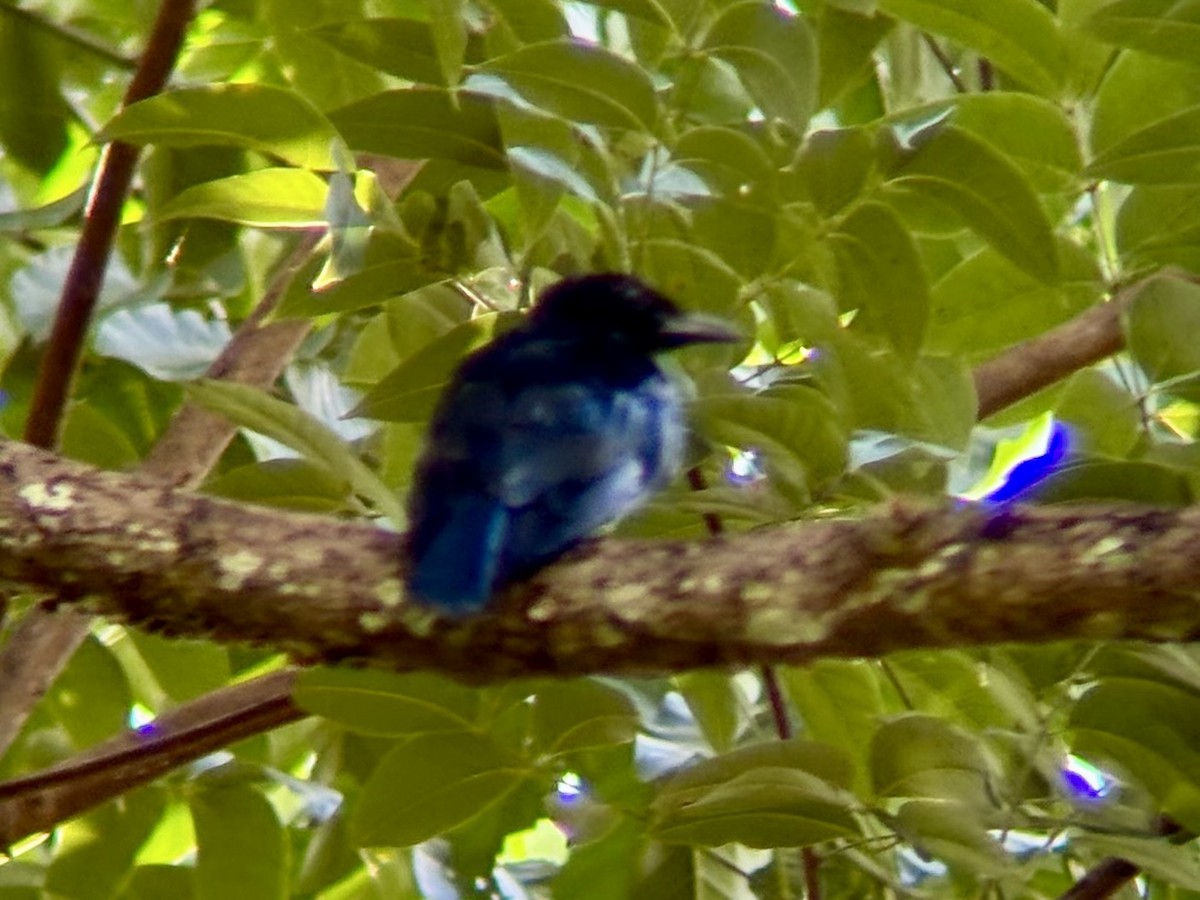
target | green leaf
[
  {"x": 580, "y": 82},
  {"x": 768, "y": 807},
  {"x": 824, "y": 761},
  {"x": 368, "y": 287},
  {"x": 403, "y": 47},
  {"x": 834, "y": 165},
  {"x": 579, "y": 714},
  {"x": 405, "y": 325},
  {"x": 1137, "y": 91},
  {"x": 252, "y": 408},
  {"x": 150, "y": 882},
  {"x": 424, "y": 124},
  {"x": 650, "y": 10},
  {"x": 847, "y": 39},
  {"x": 775, "y": 55},
  {"x": 1105, "y": 418},
  {"x": 1167, "y": 28},
  {"x": 95, "y": 852},
  {"x": 91, "y": 697},
  {"x": 448, "y": 20},
  {"x": 287, "y": 483},
  {"x": 1018, "y": 36},
  {"x": 946, "y": 388},
  {"x": 1135, "y": 481},
  {"x": 320, "y": 73},
  {"x": 953, "y": 167},
  {"x": 694, "y": 277},
  {"x": 1176, "y": 864},
  {"x": 957, "y": 685},
  {"x": 44, "y": 216},
  {"x": 242, "y": 851},
  {"x": 1160, "y": 328},
  {"x": 281, "y": 198},
  {"x": 430, "y": 784},
  {"x": 385, "y": 703},
  {"x": 987, "y": 303},
  {"x": 605, "y": 867},
  {"x": 731, "y": 163},
  {"x": 1159, "y": 226},
  {"x": 841, "y": 701},
  {"x": 1174, "y": 665},
  {"x": 953, "y": 833},
  {"x": 923, "y": 756},
  {"x": 881, "y": 273},
  {"x": 33, "y": 115},
  {"x": 1152, "y": 730},
  {"x": 183, "y": 669},
  {"x": 410, "y": 392},
  {"x": 1164, "y": 152},
  {"x": 788, "y": 793},
  {"x": 1032, "y": 132},
  {"x": 797, "y": 430},
  {"x": 715, "y": 703},
  {"x": 549, "y": 157},
  {"x": 255, "y": 116}
]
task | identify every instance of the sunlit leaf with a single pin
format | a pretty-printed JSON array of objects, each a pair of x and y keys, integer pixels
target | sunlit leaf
[
  {"x": 580, "y": 82},
  {"x": 430, "y": 784},
  {"x": 256, "y": 116},
  {"x": 386, "y": 703},
  {"x": 775, "y": 55},
  {"x": 251, "y": 408},
  {"x": 1019, "y": 36}
]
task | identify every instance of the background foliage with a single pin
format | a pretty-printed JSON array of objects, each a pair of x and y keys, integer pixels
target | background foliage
[{"x": 882, "y": 193}]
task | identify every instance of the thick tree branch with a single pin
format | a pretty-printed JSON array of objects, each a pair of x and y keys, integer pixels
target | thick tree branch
[{"x": 328, "y": 590}]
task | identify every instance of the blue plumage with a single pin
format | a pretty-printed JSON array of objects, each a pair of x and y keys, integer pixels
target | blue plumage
[{"x": 557, "y": 427}]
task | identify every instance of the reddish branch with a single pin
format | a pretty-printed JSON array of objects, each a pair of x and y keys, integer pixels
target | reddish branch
[{"x": 86, "y": 273}]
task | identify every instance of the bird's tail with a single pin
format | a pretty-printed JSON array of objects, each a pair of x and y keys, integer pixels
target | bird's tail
[{"x": 456, "y": 571}]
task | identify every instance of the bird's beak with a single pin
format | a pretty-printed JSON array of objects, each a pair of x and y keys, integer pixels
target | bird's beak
[{"x": 697, "y": 328}]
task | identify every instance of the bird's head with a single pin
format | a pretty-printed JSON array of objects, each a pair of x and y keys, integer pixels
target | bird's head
[{"x": 620, "y": 307}]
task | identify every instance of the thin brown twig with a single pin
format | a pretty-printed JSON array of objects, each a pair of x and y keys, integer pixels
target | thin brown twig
[
  {"x": 946, "y": 63},
  {"x": 70, "y": 36},
  {"x": 38, "y": 802}
]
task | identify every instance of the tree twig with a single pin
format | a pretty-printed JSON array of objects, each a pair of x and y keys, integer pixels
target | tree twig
[
  {"x": 1028, "y": 367},
  {"x": 37, "y": 802},
  {"x": 68, "y": 35}
]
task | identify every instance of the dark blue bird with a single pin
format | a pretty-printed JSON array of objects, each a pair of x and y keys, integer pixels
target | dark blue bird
[{"x": 559, "y": 426}]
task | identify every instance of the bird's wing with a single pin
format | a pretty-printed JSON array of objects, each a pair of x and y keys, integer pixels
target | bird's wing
[
  {"x": 525, "y": 443},
  {"x": 456, "y": 543}
]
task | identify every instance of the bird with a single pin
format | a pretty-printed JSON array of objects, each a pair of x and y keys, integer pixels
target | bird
[{"x": 556, "y": 428}]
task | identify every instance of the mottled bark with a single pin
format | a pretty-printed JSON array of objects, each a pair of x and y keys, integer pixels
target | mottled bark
[{"x": 330, "y": 590}]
